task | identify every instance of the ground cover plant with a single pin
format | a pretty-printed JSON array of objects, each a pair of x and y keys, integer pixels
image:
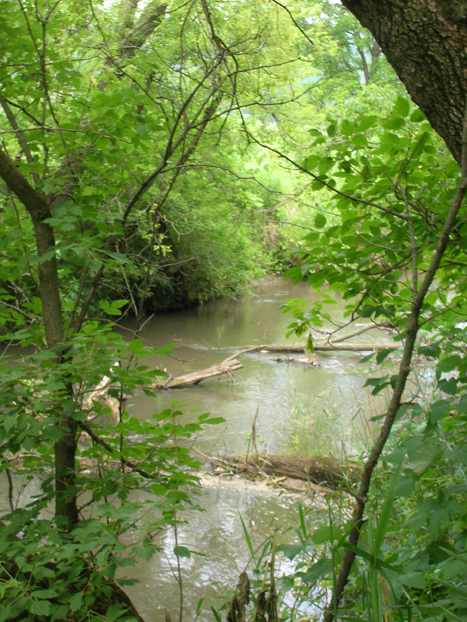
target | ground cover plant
[{"x": 129, "y": 137}]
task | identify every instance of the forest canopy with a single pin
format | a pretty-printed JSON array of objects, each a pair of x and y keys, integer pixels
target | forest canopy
[{"x": 156, "y": 155}]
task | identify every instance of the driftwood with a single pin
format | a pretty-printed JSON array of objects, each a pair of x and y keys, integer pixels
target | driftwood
[
  {"x": 320, "y": 346},
  {"x": 231, "y": 364},
  {"x": 326, "y": 471},
  {"x": 226, "y": 367},
  {"x": 100, "y": 393}
]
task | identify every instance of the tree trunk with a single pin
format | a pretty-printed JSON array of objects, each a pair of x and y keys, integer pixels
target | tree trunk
[
  {"x": 39, "y": 210},
  {"x": 425, "y": 42}
]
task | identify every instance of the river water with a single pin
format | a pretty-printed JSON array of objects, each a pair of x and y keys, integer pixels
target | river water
[
  {"x": 297, "y": 409},
  {"x": 277, "y": 394}
]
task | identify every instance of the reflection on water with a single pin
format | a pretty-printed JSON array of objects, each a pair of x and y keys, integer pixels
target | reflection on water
[
  {"x": 217, "y": 534},
  {"x": 264, "y": 387},
  {"x": 304, "y": 409}
]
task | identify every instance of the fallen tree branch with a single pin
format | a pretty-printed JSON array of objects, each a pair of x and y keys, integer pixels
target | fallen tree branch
[
  {"x": 226, "y": 367},
  {"x": 319, "y": 470},
  {"x": 231, "y": 363},
  {"x": 354, "y": 333},
  {"x": 329, "y": 346}
]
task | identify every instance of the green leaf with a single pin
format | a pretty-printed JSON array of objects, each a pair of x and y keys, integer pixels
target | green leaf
[
  {"x": 426, "y": 456},
  {"x": 382, "y": 355},
  {"x": 405, "y": 487},
  {"x": 41, "y": 607},
  {"x": 8, "y": 422},
  {"x": 366, "y": 122},
  {"x": 312, "y": 162},
  {"x": 114, "y": 612},
  {"x": 247, "y": 538},
  {"x": 323, "y": 534},
  {"x": 458, "y": 455},
  {"x": 214, "y": 420},
  {"x": 438, "y": 410},
  {"x": 402, "y": 107},
  {"x": 316, "y": 571},
  {"x": 301, "y": 516},
  {"x": 320, "y": 220},
  {"x": 44, "y": 594},
  {"x": 448, "y": 363},
  {"x": 393, "y": 124},
  {"x": 448, "y": 386},
  {"x": 359, "y": 140},
  {"x": 386, "y": 512},
  {"x": 462, "y": 405},
  {"x": 347, "y": 128},
  {"x": 291, "y": 550},
  {"x": 182, "y": 551},
  {"x": 378, "y": 383},
  {"x": 413, "y": 579},
  {"x": 215, "y": 614},
  {"x": 76, "y": 601},
  {"x": 325, "y": 165},
  {"x": 431, "y": 351},
  {"x": 417, "y": 116},
  {"x": 137, "y": 347}
]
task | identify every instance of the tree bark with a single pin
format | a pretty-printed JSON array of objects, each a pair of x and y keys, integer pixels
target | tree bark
[
  {"x": 38, "y": 209},
  {"x": 425, "y": 42}
]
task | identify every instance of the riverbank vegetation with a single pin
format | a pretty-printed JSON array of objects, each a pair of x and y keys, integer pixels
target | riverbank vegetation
[{"x": 155, "y": 155}]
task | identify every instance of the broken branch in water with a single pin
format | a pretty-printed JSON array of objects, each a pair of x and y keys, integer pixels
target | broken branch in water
[
  {"x": 226, "y": 367},
  {"x": 231, "y": 363},
  {"x": 319, "y": 470}
]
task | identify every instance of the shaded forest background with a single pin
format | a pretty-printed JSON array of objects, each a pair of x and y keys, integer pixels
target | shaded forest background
[{"x": 157, "y": 155}]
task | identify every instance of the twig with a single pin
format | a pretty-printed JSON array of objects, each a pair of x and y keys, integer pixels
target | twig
[
  {"x": 10, "y": 490},
  {"x": 413, "y": 247}
]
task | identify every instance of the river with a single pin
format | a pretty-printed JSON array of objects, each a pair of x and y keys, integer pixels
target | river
[{"x": 297, "y": 409}]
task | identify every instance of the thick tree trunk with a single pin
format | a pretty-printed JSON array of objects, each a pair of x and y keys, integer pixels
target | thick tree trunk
[
  {"x": 425, "y": 42},
  {"x": 38, "y": 209}
]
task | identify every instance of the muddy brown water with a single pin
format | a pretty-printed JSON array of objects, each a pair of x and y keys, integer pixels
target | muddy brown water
[
  {"x": 322, "y": 410},
  {"x": 279, "y": 395}
]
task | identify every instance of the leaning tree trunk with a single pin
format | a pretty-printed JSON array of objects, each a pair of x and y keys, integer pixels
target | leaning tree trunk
[
  {"x": 39, "y": 210},
  {"x": 425, "y": 42}
]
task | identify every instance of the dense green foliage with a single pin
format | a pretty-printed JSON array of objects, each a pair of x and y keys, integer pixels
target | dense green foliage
[
  {"x": 392, "y": 185},
  {"x": 181, "y": 150}
]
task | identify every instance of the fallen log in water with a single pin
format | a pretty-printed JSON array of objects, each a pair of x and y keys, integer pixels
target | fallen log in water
[
  {"x": 320, "y": 346},
  {"x": 226, "y": 367},
  {"x": 231, "y": 364},
  {"x": 326, "y": 471}
]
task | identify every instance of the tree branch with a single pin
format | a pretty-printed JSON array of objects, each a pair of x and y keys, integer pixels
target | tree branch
[{"x": 404, "y": 370}]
